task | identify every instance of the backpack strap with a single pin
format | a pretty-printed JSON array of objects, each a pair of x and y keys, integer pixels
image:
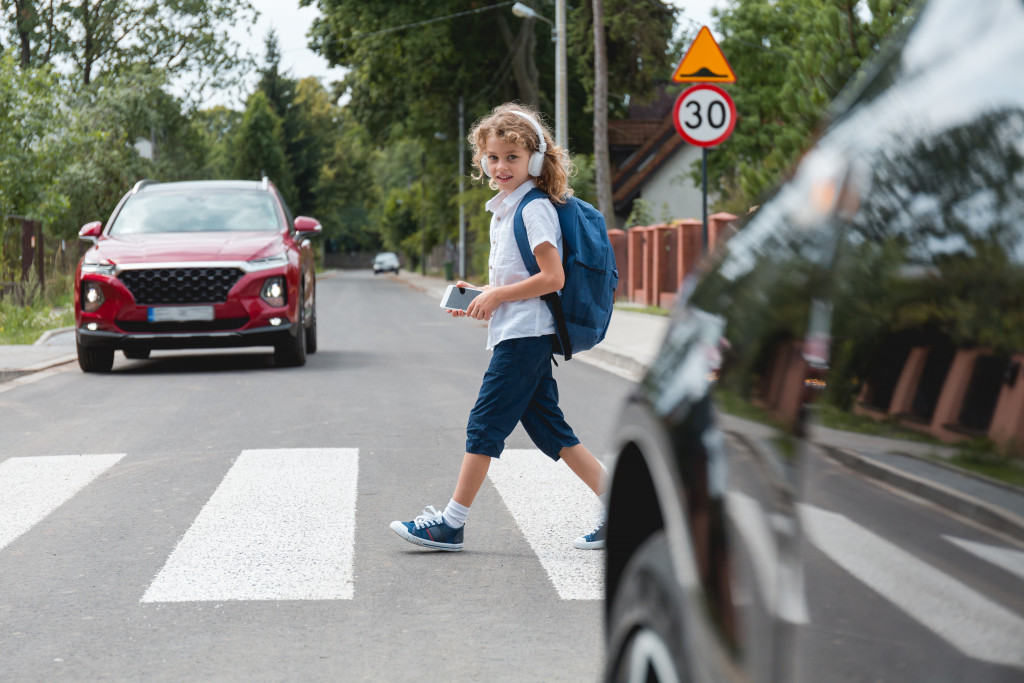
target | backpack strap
[{"x": 553, "y": 300}]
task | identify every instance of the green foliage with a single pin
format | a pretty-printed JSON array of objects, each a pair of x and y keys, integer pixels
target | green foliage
[
  {"x": 30, "y": 144},
  {"x": 792, "y": 58},
  {"x": 637, "y": 39},
  {"x": 641, "y": 214},
  {"x": 23, "y": 319},
  {"x": 89, "y": 39},
  {"x": 258, "y": 144}
]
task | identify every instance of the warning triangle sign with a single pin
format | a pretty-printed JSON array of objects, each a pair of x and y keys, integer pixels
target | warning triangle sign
[{"x": 704, "y": 62}]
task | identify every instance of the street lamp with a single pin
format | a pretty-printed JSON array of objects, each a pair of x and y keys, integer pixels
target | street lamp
[{"x": 558, "y": 38}]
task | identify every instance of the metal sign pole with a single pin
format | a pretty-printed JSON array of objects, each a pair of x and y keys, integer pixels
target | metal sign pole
[{"x": 704, "y": 173}]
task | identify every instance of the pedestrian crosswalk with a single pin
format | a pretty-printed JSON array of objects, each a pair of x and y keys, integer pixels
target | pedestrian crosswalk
[
  {"x": 546, "y": 499},
  {"x": 33, "y": 487},
  {"x": 281, "y": 525}
]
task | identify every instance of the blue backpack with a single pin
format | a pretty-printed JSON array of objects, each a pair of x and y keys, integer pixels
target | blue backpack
[{"x": 583, "y": 308}]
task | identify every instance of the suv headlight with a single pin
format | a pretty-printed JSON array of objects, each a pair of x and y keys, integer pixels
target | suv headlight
[
  {"x": 275, "y": 291},
  {"x": 269, "y": 262},
  {"x": 98, "y": 267},
  {"x": 92, "y": 296}
]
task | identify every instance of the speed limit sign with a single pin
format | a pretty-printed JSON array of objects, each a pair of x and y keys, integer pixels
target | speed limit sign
[{"x": 704, "y": 115}]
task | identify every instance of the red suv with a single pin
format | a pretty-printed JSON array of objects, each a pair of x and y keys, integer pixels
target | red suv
[{"x": 196, "y": 265}]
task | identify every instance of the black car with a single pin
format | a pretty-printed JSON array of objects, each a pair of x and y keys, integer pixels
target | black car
[{"x": 784, "y": 503}]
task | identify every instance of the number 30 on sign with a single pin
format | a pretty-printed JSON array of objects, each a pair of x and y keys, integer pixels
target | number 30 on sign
[{"x": 704, "y": 115}]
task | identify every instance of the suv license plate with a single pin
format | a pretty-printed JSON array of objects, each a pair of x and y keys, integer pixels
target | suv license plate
[{"x": 180, "y": 314}]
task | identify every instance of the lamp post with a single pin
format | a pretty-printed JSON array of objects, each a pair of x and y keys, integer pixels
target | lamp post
[
  {"x": 558, "y": 38},
  {"x": 462, "y": 179}
]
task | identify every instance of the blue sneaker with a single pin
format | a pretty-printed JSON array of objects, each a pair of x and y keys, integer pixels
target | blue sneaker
[
  {"x": 430, "y": 530},
  {"x": 595, "y": 540}
]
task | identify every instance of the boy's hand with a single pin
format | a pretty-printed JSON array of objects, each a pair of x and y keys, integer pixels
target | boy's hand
[
  {"x": 455, "y": 312},
  {"x": 483, "y": 307}
]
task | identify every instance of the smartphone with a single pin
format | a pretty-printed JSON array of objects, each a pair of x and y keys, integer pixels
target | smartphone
[{"x": 458, "y": 298}]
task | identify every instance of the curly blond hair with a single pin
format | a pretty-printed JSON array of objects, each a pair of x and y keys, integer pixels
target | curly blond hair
[{"x": 509, "y": 126}]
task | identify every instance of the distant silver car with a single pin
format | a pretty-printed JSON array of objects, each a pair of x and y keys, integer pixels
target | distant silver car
[{"x": 384, "y": 262}]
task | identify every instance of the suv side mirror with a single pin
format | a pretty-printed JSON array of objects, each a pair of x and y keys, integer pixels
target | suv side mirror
[
  {"x": 307, "y": 224},
  {"x": 90, "y": 232}
]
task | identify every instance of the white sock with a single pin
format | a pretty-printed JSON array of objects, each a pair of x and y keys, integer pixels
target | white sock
[{"x": 454, "y": 514}]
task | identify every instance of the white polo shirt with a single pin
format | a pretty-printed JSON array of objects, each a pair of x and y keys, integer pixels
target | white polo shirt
[{"x": 527, "y": 317}]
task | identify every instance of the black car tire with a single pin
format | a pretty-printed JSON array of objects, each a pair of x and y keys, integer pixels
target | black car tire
[
  {"x": 311, "y": 330},
  {"x": 646, "y": 620},
  {"x": 97, "y": 359},
  {"x": 292, "y": 351},
  {"x": 136, "y": 354}
]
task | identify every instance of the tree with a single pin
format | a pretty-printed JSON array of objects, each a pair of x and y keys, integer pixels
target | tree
[
  {"x": 260, "y": 149},
  {"x": 602, "y": 162},
  {"x": 794, "y": 57},
  {"x": 615, "y": 43},
  {"x": 30, "y": 147},
  {"x": 185, "y": 38}
]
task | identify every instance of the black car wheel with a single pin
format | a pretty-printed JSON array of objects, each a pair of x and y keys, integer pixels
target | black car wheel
[
  {"x": 136, "y": 354},
  {"x": 292, "y": 351},
  {"x": 95, "y": 359},
  {"x": 646, "y": 620},
  {"x": 311, "y": 330}
]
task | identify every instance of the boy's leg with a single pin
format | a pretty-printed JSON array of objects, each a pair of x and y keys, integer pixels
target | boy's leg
[
  {"x": 471, "y": 478},
  {"x": 587, "y": 467}
]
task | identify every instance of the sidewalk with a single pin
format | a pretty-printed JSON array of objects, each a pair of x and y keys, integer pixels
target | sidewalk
[
  {"x": 630, "y": 346},
  {"x": 53, "y": 348}
]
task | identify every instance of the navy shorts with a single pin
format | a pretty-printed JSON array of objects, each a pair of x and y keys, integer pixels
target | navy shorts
[{"x": 518, "y": 387}]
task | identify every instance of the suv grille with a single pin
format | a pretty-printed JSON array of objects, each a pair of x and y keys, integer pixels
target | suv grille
[{"x": 180, "y": 285}]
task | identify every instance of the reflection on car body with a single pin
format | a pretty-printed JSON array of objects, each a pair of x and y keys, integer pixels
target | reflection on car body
[
  {"x": 884, "y": 283},
  {"x": 194, "y": 265}
]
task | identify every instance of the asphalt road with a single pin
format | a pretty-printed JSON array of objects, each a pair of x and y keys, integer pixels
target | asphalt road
[
  {"x": 142, "y": 555},
  {"x": 208, "y": 516}
]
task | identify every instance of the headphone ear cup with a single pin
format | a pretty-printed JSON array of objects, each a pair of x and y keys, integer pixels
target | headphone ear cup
[
  {"x": 536, "y": 164},
  {"x": 484, "y": 167}
]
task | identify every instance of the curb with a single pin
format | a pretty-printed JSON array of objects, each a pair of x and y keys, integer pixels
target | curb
[
  {"x": 8, "y": 375},
  {"x": 961, "y": 503}
]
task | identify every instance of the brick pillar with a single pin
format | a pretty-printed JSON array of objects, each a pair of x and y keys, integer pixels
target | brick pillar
[
  {"x": 635, "y": 254},
  {"x": 1007, "y": 428},
  {"x": 690, "y": 244},
  {"x": 718, "y": 226},
  {"x": 947, "y": 409}
]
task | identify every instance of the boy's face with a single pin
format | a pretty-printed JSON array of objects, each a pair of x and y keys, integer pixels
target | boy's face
[{"x": 507, "y": 163}]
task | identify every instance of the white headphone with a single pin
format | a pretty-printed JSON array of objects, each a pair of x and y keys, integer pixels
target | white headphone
[{"x": 536, "y": 164}]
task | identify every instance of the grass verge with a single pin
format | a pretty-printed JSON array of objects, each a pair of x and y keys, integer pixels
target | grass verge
[{"x": 22, "y": 322}]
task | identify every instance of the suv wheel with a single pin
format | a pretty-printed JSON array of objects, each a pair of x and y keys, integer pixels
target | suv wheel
[
  {"x": 292, "y": 351},
  {"x": 311, "y": 330},
  {"x": 645, "y": 623},
  {"x": 95, "y": 359}
]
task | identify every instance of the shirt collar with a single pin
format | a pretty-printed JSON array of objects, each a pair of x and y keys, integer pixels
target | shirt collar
[{"x": 504, "y": 201}]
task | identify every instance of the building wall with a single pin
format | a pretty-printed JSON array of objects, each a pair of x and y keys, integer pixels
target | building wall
[{"x": 671, "y": 186}]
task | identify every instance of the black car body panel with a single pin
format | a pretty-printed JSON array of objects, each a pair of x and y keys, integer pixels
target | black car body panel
[{"x": 882, "y": 285}]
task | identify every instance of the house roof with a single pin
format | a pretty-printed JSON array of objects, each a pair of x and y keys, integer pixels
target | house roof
[{"x": 660, "y": 145}]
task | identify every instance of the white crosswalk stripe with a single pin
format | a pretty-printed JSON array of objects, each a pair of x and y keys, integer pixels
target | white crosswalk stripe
[
  {"x": 963, "y": 617},
  {"x": 552, "y": 506},
  {"x": 280, "y": 526},
  {"x": 1004, "y": 558},
  {"x": 33, "y": 487}
]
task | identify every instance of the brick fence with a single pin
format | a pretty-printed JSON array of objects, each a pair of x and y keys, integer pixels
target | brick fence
[{"x": 653, "y": 260}]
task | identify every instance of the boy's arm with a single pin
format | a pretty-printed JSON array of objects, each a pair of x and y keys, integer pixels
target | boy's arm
[{"x": 551, "y": 278}]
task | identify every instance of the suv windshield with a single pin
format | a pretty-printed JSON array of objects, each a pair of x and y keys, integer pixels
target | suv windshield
[{"x": 207, "y": 211}]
